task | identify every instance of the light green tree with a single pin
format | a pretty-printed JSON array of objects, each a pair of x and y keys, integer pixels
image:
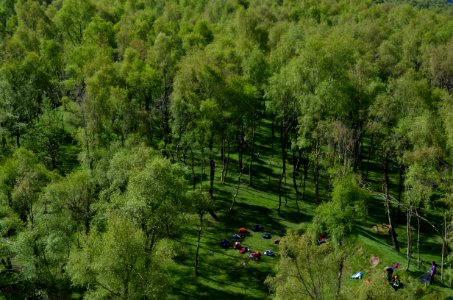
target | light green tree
[{"x": 111, "y": 264}]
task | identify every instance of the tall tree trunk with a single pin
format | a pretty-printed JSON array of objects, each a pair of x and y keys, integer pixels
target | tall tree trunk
[
  {"x": 306, "y": 163},
  {"x": 370, "y": 151},
  {"x": 223, "y": 157},
  {"x": 387, "y": 206},
  {"x": 357, "y": 148},
  {"x": 202, "y": 169},
  {"x": 283, "y": 147},
  {"x": 252, "y": 154},
  {"x": 200, "y": 228},
  {"x": 418, "y": 242},
  {"x": 227, "y": 162},
  {"x": 211, "y": 169},
  {"x": 316, "y": 168},
  {"x": 192, "y": 167},
  {"x": 164, "y": 116},
  {"x": 339, "y": 276},
  {"x": 241, "y": 147},
  {"x": 444, "y": 250},
  {"x": 400, "y": 190},
  {"x": 296, "y": 169},
  {"x": 237, "y": 192},
  {"x": 409, "y": 236}
]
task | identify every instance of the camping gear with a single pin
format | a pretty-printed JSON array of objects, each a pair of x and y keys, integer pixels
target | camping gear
[
  {"x": 269, "y": 253},
  {"x": 255, "y": 255},
  {"x": 237, "y": 245},
  {"x": 236, "y": 236},
  {"x": 257, "y": 227},
  {"x": 277, "y": 242},
  {"x": 426, "y": 277},
  {"x": 266, "y": 236},
  {"x": 224, "y": 244},
  {"x": 243, "y": 230},
  {"x": 357, "y": 275},
  {"x": 243, "y": 250}
]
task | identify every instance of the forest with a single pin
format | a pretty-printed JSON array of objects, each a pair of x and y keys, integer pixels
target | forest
[{"x": 137, "y": 134}]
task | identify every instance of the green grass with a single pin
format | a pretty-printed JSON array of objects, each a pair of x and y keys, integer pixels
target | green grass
[{"x": 226, "y": 274}]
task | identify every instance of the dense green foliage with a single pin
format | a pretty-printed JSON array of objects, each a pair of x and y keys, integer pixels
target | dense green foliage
[{"x": 124, "y": 123}]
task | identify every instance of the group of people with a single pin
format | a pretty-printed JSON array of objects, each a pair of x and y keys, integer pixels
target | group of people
[
  {"x": 429, "y": 277},
  {"x": 243, "y": 232},
  {"x": 394, "y": 280}
]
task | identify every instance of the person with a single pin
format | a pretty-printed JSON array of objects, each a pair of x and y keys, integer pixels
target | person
[
  {"x": 320, "y": 239},
  {"x": 432, "y": 272},
  {"x": 237, "y": 245},
  {"x": 395, "y": 283},
  {"x": 224, "y": 244},
  {"x": 389, "y": 271}
]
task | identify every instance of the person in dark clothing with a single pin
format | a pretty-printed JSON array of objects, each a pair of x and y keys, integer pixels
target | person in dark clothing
[
  {"x": 224, "y": 244},
  {"x": 396, "y": 284},
  {"x": 432, "y": 272},
  {"x": 389, "y": 271}
]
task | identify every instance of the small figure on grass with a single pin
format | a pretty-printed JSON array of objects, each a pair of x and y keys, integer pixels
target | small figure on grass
[
  {"x": 432, "y": 272},
  {"x": 396, "y": 284},
  {"x": 224, "y": 244},
  {"x": 237, "y": 245},
  {"x": 389, "y": 271},
  {"x": 255, "y": 255},
  {"x": 320, "y": 240}
]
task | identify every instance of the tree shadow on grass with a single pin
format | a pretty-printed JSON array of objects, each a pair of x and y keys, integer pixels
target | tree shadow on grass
[{"x": 383, "y": 240}]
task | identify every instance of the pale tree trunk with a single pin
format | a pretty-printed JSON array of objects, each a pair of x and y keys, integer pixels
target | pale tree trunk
[
  {"x": 418, "y": 242},
  {"x": 387, "y": 206},
  {"x": 409, "y": 236},
  {"x": 226, "y": 161},
  {"x": 192, "y": 167},
  {"x": 222, "y": 176},
  {"x": 400, "y": 190},
  {"x": 202, "y": 169},
  {"x": 200, "y": 228},
  {"x": 282, "y": 175},
  {"x": 211, "y": 169},
  {"x": 237, "y": 192},
  {"x": 296, "y": 169},
  {"x": 370, "y": 151},
  {"x": 306, "y": 163},
  {"x": 241, "y": 147},
  {"x": 316, "y": 168},
  {"x": 252, "y": 154},
  {"x": 339, "y": 276},
  {"x": 444, "y": 250}
]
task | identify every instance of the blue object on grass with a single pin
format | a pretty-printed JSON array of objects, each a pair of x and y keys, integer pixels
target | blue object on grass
[{"x": 357, "y": 275}]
